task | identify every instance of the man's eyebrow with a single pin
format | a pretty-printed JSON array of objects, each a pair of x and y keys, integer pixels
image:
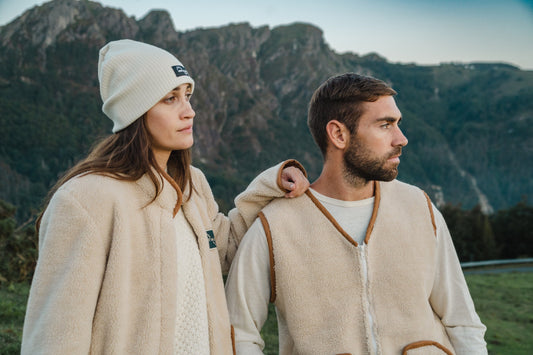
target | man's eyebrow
[{"x": 389, "y": 119}]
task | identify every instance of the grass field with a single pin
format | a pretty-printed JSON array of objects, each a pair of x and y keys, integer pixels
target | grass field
[{"x": 504, "y": 303}]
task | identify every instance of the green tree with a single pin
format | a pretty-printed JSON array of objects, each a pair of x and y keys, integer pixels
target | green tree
[
  {"x": 18, "y": 247},
  {"x": 513, "y": 229},
  {"x": 472, "y": 233}
]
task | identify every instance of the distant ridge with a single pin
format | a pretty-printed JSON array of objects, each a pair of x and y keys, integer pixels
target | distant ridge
[{"x": 469, "y": 124}]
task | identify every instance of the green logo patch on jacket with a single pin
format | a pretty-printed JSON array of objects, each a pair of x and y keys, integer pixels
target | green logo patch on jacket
[{"x": 211, "y": 238}]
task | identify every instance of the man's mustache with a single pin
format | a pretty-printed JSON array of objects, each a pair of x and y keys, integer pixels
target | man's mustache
[{"x": 396, "y": 152}]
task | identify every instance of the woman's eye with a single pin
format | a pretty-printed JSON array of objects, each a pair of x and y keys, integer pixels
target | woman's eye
[{"x": 170, "y": 99}]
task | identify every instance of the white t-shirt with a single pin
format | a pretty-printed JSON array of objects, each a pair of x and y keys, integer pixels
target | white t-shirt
[{"x": 352, "y": 216}]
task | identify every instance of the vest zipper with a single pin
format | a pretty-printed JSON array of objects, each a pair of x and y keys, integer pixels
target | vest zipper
[{"x": 373, "y": 345}]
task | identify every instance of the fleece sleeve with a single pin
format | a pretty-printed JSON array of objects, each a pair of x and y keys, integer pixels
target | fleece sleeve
[
  {"x": 230, "y": 230},
  {"x": 66, "y": 282},
  {"x": 248, "y": 291},
  {"x": 451, "y": 299}
]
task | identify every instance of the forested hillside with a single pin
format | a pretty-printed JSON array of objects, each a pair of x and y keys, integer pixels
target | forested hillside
[{"x": 469, "y": 125}]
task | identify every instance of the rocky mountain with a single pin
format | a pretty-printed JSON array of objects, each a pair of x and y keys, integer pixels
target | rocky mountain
[{"x": 469, "y": 125}]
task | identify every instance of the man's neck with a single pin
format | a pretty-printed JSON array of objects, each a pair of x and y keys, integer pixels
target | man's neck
[{"x": 335, "y": 185}]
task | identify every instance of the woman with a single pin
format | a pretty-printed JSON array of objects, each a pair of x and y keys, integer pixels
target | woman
[{"x": 131, "y": 242}]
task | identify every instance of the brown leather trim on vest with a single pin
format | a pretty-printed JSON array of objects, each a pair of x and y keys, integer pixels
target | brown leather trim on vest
[
  {"x": 233, "y": 340},
  {"x": 266, "y": 228},
  {"x": 420, "y": 344},
  {"x": 328, "y": 215},
  {"x": 431, "y": 213},
  {"x": 377, "y": 200}
]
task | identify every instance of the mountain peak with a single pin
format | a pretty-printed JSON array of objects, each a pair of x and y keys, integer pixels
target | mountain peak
[
  {"x": 157, "y": 27},
  {"x": 253, "y": 88},
  {"x": 41, "y": 24},
  {"x": 67, "y": 20}
]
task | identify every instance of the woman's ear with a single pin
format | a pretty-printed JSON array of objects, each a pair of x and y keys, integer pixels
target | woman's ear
[{"x": 338, "y": 134}]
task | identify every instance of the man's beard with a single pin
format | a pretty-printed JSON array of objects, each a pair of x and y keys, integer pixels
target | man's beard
[{"x": 360, "y": 165}]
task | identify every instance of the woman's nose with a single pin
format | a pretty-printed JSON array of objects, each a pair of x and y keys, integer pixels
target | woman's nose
[{"x": 188, "y": 111}]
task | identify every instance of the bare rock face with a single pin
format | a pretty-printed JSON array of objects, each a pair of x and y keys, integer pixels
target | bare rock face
[
  {"x": 29, "y": 37},
  {"x": 42, "y": 24},
  {"x": 157, "y": 28}
]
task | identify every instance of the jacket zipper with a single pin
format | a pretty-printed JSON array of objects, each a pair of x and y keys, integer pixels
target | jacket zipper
[{"x": 366, "y": 298}]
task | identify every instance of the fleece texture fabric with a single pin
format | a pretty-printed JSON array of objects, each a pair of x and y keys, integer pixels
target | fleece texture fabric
[
  {"x": 338, "y": 297},
  {"x": 106, "y": 276}
]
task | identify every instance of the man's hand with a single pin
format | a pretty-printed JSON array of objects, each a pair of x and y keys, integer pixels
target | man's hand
[{"x": 294, "y": 181}]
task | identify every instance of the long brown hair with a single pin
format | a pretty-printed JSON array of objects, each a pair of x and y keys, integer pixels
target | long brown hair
[{"x": 127, "y": 155}]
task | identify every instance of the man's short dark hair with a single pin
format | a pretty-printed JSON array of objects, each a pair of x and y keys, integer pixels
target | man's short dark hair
[{"x": 340, "y": 98}]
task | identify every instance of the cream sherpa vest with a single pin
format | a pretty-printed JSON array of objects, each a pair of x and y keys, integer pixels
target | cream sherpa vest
[{"x": 338, "y": 297}]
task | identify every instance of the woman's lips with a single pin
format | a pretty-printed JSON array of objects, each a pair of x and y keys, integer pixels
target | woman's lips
[{"x": 187, "y": 129}]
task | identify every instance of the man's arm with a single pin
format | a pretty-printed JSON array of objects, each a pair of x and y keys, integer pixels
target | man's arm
[
  {"x": 248, "y": 290},
  {"x": 451, "y": 299}
]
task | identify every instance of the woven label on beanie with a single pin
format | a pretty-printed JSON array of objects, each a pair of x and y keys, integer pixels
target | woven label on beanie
[{"x": 180, "y": 70}]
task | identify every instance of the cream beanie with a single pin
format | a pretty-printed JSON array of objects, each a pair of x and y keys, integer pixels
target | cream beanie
[{"x": 133, "y": 77}]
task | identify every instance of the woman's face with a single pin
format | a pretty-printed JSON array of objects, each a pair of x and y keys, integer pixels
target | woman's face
[{"x": 170, "y": 121}]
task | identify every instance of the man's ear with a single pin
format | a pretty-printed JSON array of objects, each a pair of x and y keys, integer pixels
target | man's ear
[{"x": 338, "y": 134}]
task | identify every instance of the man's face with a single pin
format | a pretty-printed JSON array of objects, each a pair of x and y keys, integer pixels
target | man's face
[{"x": 375, "y": 148}]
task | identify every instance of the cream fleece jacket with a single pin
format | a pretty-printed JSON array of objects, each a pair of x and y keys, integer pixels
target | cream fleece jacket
[
  {"x": 249, "y": 285},
  {"x": 105, "y": 281}
]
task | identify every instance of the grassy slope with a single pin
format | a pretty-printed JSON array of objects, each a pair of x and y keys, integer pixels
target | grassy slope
[
  {"x": 503, "y": 301},
  {"x": 505, "y": 305},
  {"x": 12, "y": 307}
]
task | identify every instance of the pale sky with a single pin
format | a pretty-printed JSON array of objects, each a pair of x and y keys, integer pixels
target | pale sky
[{"x": 402, "y": 31}]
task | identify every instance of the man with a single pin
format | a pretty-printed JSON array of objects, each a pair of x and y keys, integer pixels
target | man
[{"x": 361, "y": 263}]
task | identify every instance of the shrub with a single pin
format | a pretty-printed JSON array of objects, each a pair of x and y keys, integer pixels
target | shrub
[{"x": 18, "y": 247}]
